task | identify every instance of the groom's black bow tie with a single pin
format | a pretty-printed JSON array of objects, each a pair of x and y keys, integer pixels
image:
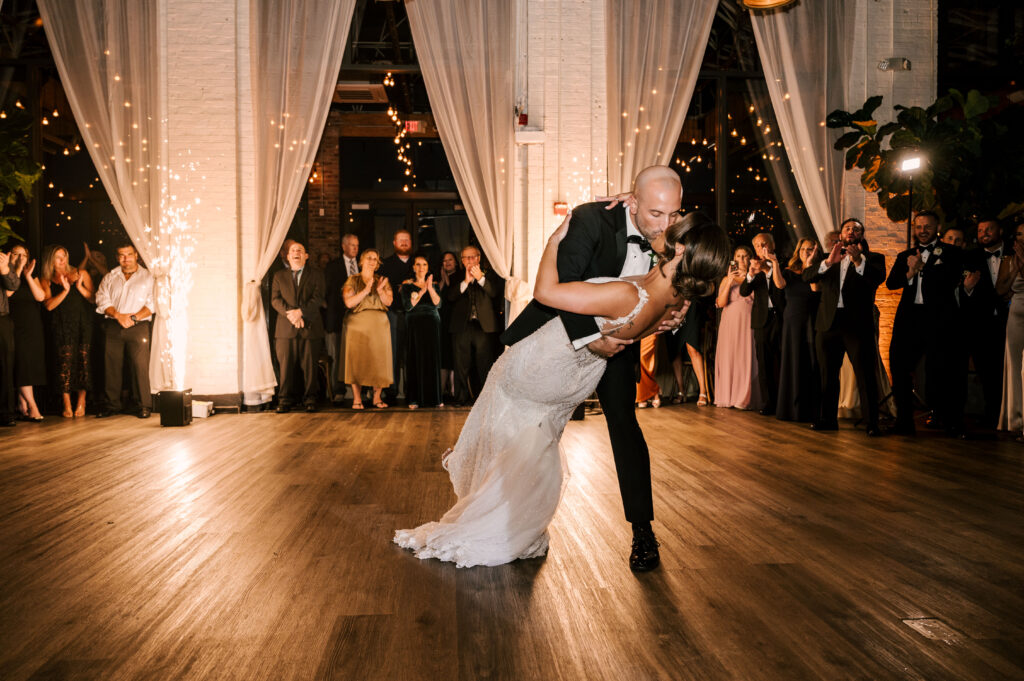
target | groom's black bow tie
[{"x": 644, "y": 244}]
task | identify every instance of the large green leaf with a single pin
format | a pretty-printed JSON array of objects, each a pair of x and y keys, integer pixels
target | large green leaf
[
  {"x": 838, "y": 119},
  {"x": 848, "y": 139},
  {"x": 976, "y": 104}
]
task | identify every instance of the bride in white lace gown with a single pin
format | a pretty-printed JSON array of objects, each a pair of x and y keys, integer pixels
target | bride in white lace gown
[{"x": 507, "y": 467}]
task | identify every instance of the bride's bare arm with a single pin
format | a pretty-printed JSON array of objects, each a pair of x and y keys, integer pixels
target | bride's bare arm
[{"x": 613, "y": 299}]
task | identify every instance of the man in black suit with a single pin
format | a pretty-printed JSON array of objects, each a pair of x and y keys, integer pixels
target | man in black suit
[
  {"x": 298, "y": 294},
  {"x": 396, "y": 268},
  {"x": 928, "y": 275},
  {"x": 848, "y": 279},
  {"x": 765, "y": 281},
  {"x": 335, "y": 275},
  {"x": 603, "y": 243},
  {"x": 985, "y": 314},
  {"x": 473, "y": 325}
]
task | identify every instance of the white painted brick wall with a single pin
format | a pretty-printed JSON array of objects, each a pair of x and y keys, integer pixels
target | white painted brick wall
[
  {"x": 202, "y": 89},
  {"x": 566, "y": 97}
]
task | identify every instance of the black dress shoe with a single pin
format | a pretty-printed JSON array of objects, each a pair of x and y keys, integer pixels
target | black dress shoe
[
  {"x": 644, "y": 556},
  {"x": 283, "y": 409},
  {"x": 874, "y": 431},
  {"x": 821, "y": 425},
  {"x": 8, "y": 422},
  {"x": 145, "y": 413},
  {"x": 104, "y": 413},
  {"x": 310, "y": 407},
  {"x": 767, "y": 411}
]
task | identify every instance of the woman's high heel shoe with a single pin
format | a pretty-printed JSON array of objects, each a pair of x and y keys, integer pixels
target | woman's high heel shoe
[{"x": 702, "y": 400}]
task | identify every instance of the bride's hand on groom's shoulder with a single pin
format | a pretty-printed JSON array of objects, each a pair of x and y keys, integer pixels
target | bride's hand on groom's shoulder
[
  {"x": 562, "y": 230},
  {"x": 625, "y": 197}
]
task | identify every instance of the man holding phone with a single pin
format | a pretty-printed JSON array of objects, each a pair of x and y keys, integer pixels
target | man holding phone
[{"x": 765, "y": 282}]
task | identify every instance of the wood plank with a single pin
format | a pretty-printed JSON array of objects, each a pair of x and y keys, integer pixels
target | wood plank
[{"x": 258, "y": 546}]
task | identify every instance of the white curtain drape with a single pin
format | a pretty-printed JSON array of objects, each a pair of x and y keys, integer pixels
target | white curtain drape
[
  {"x": 806, "y": 51},
  {"x": 110, "y": 57},
  {"x": 296, "y": 48},
  {"x": 466, "y": 53},
  {"x": 655, "y": 49}
]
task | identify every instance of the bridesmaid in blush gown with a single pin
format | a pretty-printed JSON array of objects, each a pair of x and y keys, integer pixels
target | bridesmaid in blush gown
[{"x": 735, "y": 368}]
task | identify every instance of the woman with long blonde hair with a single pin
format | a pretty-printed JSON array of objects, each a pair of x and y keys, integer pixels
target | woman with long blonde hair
[{"x": 69, "y": 297}]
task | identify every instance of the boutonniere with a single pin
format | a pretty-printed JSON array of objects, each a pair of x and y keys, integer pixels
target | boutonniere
[
  {"x": 938, "y": 251},
  {"x": 654, "y": 258}
]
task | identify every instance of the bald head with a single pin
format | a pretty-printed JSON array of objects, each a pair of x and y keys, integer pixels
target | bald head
[{"x": 658, "y": 194}]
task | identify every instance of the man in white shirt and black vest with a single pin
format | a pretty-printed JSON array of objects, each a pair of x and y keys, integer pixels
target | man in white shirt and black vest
[{"x": 125, "y": 299}]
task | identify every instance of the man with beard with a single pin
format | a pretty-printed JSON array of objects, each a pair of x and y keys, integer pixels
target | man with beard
[
  {"x": 396, "y": 268},
  {"x": 616, "y": 243},
  {"x": 848, "y": 279},
  {"x": 928, "y": 275},
  {"x": 985, "y": 314}
]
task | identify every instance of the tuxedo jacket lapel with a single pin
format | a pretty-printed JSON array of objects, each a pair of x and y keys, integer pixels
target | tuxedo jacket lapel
[{"x": 620, "y": 242}]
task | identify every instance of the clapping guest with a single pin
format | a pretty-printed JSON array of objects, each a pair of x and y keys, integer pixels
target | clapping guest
[
  {"x": 29, "y": 344},
  {"x": 765, "y": 283},
  {"x": 735, "y": 368},
  {"x": 421, "y": 300},
  {"x": 985, "y": 313},
  {"x": 449, "y": 276},
  {"x": 69, "y": 298},
  {"x": 9, "y": 281},
  {"x": 368, "y": 361},
  {"x": 844, "y": 323},
  {"x": 799, "y": 378},
  {"x": 1011, "y": 283}
]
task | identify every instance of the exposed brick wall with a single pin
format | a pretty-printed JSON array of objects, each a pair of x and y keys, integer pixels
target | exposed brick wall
[{"x": 324, "y": 193}]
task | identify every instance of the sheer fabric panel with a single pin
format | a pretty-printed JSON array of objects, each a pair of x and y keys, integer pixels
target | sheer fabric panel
[
  {"x": 466, "y": 52},
  {"x": 806, "y": 52},
  {"x": 108, "y": 54},
  {"x": 655, "y": 49},
  {"x": 296, "y": 48}
]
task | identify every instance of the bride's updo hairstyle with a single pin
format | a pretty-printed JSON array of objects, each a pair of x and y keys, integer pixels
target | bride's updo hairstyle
[{"x": 705, "y": 258}]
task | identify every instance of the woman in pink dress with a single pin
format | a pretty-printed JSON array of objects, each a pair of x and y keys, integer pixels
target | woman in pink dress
[{"x": 735, "y": 368}]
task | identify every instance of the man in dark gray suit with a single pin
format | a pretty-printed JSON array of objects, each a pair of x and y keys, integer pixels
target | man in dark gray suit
[{"x": 297, "y": 295}]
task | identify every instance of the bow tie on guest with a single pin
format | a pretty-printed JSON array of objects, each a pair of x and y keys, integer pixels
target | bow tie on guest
[
  {"x": 643, "y": 243},
  {"x": 994, "y": 254},
  {"x": 928, "y": 248}
]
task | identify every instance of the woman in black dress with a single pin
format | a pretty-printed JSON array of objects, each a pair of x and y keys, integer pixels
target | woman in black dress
[
  {"x": 29, "y": 360},
  {"x": 70, "y": 296},
  {"x": 449, "y": 265},
  {"x": 423, "y": 351},
  {"x": 799, "y": 378}
]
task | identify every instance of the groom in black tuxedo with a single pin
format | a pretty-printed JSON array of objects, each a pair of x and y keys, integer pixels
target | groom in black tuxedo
[{"x": 615, "y": 243}]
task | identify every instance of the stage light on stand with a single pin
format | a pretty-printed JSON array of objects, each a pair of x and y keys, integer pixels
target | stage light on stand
[{"x": 908, "y": 166}]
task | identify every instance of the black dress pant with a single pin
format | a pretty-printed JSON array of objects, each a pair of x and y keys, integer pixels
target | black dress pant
[
  {"x": 117, "y": 339},
  {"x": 855, "y": 337},
  {"x": 292, "y": 354},
  {"x": 768, "y": 350},
  {"x": 616, "y": 391},
  {"x": 472, "y": 347},
  {"x": 7, "y": 399},
  {"x": 916, "y": 334}
]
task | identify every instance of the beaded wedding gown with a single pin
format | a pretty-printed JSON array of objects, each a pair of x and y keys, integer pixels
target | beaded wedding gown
[{"x": 507, "y": 467}]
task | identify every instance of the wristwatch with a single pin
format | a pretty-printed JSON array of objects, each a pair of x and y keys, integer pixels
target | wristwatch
[{"x": 134, "y": 320}]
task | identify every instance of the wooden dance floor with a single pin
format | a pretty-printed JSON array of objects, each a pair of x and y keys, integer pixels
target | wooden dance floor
[{"x": 259, "y": 547}]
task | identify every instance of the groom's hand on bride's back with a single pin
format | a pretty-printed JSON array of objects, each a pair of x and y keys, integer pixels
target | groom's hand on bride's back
[
  {"x": 675, "y": 319},
  {"x": 607, "y": 346}
]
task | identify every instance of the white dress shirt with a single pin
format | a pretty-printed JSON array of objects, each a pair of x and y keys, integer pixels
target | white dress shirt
[
  {"x": 637, "y": 263},
  {"x": 769, "y": 278},
  {"x": 126, "y": 296},
  {"x": 351, "y": 265},
  {"x": 919, "y": 295},
  {"x": 844, "y": 265}
]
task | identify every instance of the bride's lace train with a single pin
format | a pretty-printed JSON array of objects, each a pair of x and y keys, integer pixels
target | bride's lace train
[{"x": 507, "y": 468}]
